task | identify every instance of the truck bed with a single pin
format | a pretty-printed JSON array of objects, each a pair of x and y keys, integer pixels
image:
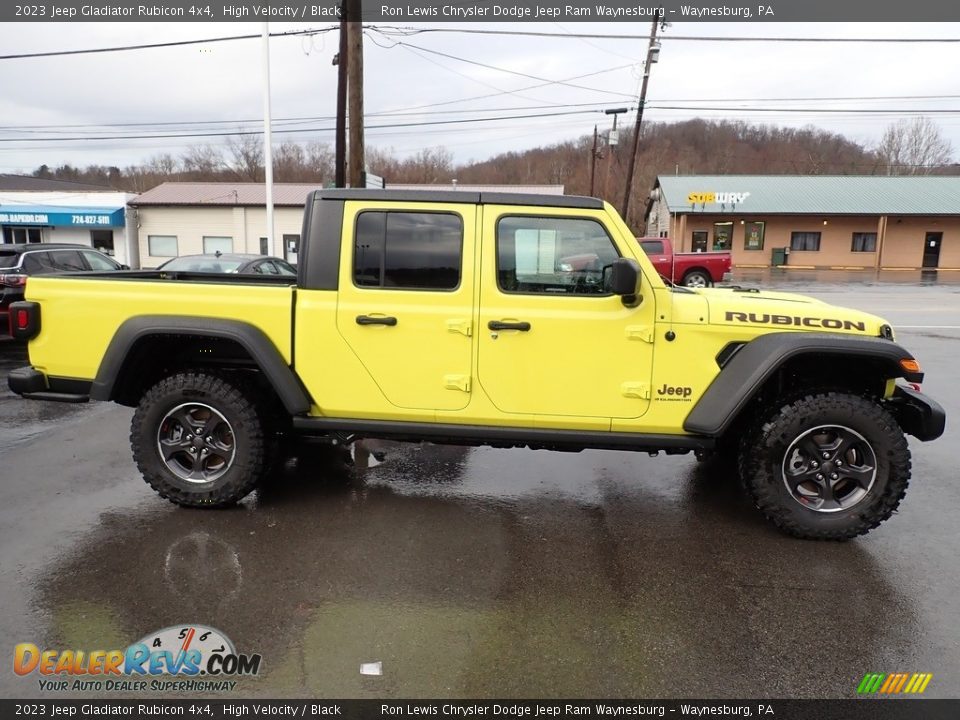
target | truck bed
[{"x": 82, "y": 312}]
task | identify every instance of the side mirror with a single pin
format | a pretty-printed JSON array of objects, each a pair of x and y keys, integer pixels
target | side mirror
[
  {"x": 124, "y": 267},
  {"x": 625, "y": 280}
]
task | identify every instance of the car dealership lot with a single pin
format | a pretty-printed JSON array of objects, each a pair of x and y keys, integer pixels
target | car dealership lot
[{"x": 478, "y": 572}]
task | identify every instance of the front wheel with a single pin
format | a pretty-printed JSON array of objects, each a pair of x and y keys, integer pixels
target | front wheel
[
  {"x": 697, "y": 279},
  {"x": 198, "y": 439},
  {"x": 829, "y": 466}
]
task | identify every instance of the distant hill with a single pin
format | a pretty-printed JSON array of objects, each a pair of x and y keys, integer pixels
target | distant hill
[{"x": 690, "y": 147}]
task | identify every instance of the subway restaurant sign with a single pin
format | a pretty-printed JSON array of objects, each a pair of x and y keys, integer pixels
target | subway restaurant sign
[
  {"x": 53, "y": 216},
  {"x": 721, "y": 198}
]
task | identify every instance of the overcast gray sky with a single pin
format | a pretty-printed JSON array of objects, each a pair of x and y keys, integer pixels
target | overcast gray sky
[{"x": 222, "y": 82}]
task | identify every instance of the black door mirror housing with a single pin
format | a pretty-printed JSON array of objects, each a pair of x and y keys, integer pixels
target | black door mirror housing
[{"x": 625, "y": 280}]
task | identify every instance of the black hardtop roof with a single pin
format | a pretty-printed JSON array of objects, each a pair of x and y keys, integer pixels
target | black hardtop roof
[
  {"x": 17, "y": 248},
  {"x": 460, "y": 196}
]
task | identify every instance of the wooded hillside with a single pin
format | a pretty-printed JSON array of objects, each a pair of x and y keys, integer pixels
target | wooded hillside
[{"x": 691, "y": 147}]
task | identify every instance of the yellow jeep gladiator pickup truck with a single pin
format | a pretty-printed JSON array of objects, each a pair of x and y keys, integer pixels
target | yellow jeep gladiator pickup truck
[{"x": 451, "y": 317}]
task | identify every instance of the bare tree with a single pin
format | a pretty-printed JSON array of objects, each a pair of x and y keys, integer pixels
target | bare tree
[
  {"x": 914, "y": 147},
  {"x": 246, "y": 157},
  {"x": 202, "y": 162}
]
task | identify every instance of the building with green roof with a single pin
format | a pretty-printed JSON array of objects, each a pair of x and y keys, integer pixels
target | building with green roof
[{"x": 846, "y": 221}]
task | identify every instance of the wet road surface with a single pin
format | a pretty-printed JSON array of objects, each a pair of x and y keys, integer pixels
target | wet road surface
[{"x": 476, "y": 572}]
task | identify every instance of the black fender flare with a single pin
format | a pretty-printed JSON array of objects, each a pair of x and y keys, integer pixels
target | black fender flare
[
  {"x": 749, "y": 367},
  {"x": 252, "y": 339}
]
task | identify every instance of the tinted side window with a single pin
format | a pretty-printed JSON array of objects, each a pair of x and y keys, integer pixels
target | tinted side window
[
  {"x": 96, "y": 261},
  {"x": 67, "y": 260},
  {"x": 553, "y": 255},
  {"x": 36, "y": 263},
  {"x": 652, "y": 247},
  {"x": 412, "y": 250}
]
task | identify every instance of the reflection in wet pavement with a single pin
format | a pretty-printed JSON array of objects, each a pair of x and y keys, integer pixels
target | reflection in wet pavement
[{"x": 475, "y": 572}]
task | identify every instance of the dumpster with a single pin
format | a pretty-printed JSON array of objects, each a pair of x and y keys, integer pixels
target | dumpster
[{"x": 778, "y": 256}]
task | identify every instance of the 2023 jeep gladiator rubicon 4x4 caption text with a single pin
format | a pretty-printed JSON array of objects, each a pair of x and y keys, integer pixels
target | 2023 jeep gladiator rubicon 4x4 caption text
[{"x": 451, "y": 317}]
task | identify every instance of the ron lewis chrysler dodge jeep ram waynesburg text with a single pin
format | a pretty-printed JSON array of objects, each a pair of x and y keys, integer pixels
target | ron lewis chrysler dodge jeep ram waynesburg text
[{"x": 453, "y": 317}]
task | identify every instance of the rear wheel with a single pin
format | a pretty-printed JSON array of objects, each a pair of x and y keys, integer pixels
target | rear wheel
[
  {"x": 198, "y": 439},
  {"x": 697, "y": 279},
  {"x": 829, "y": 466}
]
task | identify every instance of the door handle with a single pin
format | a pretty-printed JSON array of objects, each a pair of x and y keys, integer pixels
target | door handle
[
  {"x": 502, "y": 325},
  {"x": 371, "y": 320}
]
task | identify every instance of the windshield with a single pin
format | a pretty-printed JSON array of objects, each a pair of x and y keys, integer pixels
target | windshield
[{"x": 202, "y": 265}]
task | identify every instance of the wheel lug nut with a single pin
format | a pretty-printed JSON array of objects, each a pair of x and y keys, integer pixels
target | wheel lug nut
[
  {"x": 189, "y": 437},
  {"x": 209, "y": 438},
  {"x": 815, "y": 464},
  {"x": 819, "y": 476},
  {"x": 834, "y": 476},
  {"x": 838, "y": 463},
  {"x": 825, "y": 455}
]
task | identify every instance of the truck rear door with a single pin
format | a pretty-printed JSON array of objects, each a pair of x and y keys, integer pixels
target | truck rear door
[{"x": 405, "y": 301}]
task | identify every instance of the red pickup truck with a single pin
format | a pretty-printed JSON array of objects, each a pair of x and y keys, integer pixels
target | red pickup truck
[{"x": 695, "y": 269}]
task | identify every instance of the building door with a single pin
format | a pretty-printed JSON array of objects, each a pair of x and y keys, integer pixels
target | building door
[
  {"x": 699, "y": 243},
  {"x": 931, "y": 249}
]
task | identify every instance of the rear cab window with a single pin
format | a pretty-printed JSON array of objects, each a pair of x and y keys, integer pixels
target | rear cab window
[
  {"x": 652, "y": 247},
  {"x": 408, "y": 250}
]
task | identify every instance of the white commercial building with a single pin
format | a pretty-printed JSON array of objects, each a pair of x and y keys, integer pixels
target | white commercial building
[
  {"x": 37, "y": 210},
  {"x": 190, "y": 218}
]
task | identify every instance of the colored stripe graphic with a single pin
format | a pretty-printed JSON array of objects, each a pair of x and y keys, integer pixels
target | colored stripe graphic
[
  {"x": 894, "y": 683},
  {"x": 870, "y": 683}
]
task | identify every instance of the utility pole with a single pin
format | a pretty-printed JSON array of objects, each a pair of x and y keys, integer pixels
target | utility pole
[
  {"x": 340, "y": 140},
  {"x": 356, "y": 163},
  {"x": 653, "y": 55},
  {"x": 613, "y": 137},
  {"x": 593, "y": 161}
]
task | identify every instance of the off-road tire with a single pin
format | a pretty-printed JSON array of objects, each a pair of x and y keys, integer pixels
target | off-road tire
[
  {"x": 234, "y": 401},
  {"x": 764, "y": 447},
  {"x": 697, "y": 278}
]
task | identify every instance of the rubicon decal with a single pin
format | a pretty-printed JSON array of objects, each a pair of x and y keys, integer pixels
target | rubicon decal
[
  {"x": 796, "y": 321},
  {"x": 179, "y": 650}
]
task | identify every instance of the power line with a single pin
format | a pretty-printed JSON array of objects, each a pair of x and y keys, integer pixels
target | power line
[
  {"x": 409, "y": 31},
  {"x": 150, "y": 46},
  {"x": 316, "y": 118},
  {"x": 510, "y": 72},
  {"x": 293, "y": 130}
]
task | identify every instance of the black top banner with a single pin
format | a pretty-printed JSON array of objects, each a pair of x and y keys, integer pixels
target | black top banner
[
  {"x": 866, "y": 709},
  {"x": 435, "y": 11}
]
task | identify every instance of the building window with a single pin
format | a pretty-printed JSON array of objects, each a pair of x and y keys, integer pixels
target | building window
[
  {"x": 753, "y": 235},
  {"x": 22, "y": 234},
  {"x": 408, "y": 250},
  {"x": 102, "y": 240},
  {"x": 213, "y": 244},
  {"x": 553, "y": 255},
  {"x": 264, "y": 246},
  {"x": 864, "y": 242},
  {"x": 291, "y": 246},
  {"x": 699, "y": 241},
  {"x": 162, "y": 245},
  {"x": 722, "y": 236},
  {"x": 805, "y": 241}
]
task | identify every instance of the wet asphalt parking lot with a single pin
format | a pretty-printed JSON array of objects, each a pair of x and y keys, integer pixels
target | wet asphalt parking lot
[{"x": 476, "y": 572}]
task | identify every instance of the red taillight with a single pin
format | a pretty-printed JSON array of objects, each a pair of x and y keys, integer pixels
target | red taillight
[
  {"x": 22, "y": 321},
  {"x": 13, "y": 280}
]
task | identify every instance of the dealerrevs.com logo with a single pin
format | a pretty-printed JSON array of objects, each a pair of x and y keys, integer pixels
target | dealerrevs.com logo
[{"x": 203, "y": 655}]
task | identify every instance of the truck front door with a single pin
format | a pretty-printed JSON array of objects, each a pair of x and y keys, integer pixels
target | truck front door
[{"x": 552, "y": 340}]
